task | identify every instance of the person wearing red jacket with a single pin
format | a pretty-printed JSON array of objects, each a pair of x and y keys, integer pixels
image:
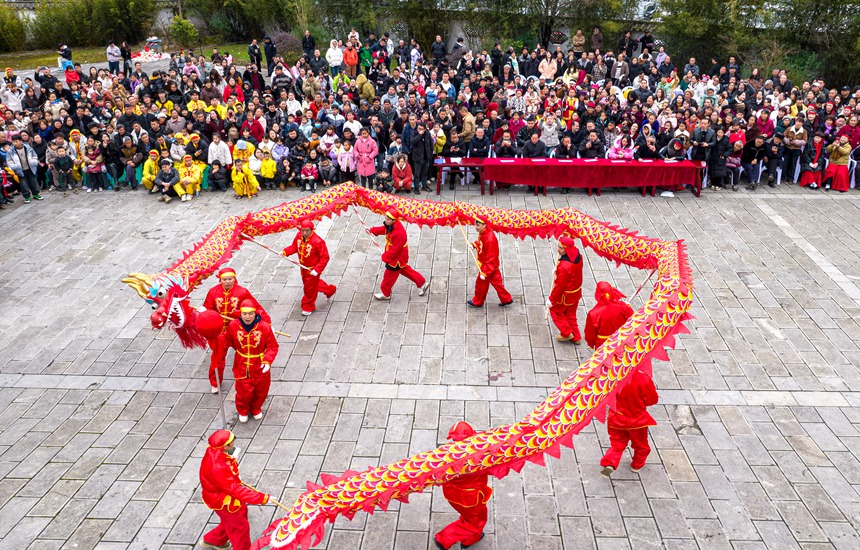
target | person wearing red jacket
[
  {"x": 256, "y": 348},
  {"x": 566, "y": 291},
  {"x": 313, "y": 254},
  {"x": 487, "y": 248},
  {"x": 628, "y": 421},
  {"x": 223, "y": 492},
  {"x": 225, "y": 299},
  {"x": 468, "y": 495},
  {"x": 396, "y": 258},
  {"x": 607, "y": 316}
]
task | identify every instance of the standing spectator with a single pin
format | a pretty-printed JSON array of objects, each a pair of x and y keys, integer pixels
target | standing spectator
[
  {"x": 125, "y": 53},
  {"x": 577, "y": 42},
  {"x": 309, "y": 44},
  {"x": 271, "y": 52},
  {"x": 350, "y": 60},
  {"x": 23, "y": 160},
  {"x": 254, "y": 54},
  {"x": 334, "y": 58},
  {"x": 114, "y": 56},
  {"x": 366, "y": 150},
  {"x": 597, "y": 40},
  {"x": 438, "y": 49},
  {"x": 422, "y": 157}
]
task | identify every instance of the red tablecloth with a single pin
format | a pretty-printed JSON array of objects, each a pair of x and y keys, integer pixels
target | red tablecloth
[{"x": 593, "y": 174}]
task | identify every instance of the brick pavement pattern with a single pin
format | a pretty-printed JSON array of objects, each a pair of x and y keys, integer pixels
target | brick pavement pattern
[{"x": 103, "y": 421}]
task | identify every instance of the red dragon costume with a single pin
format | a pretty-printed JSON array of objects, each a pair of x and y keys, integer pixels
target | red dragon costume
[
  {"x": 566, "y": 292},
  {"x": 468, "y": 495},
  {"x": 256, "y": 349},
  {"x": 396, "y": 258},
  {"x": 313, "y": 254},
  {"x": 225, "y": 299},
  {"x": 223, "y": 492},
  {"x": 487, "y": 250}
]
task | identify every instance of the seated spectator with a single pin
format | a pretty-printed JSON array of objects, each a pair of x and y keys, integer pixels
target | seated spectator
[{"x": 622, "y": 150}]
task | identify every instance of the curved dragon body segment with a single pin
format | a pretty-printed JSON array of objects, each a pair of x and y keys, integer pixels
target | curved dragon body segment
[{"x": 584, "y": 395}]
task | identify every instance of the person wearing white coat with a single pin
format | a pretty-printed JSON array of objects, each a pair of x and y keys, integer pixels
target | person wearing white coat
[{"x": 334, "y": 57}]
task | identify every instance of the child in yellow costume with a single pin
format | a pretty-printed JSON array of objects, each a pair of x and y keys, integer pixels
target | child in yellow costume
[
  {"x": 190, "y": 178},
  {"x": 244, "y": 182},
  {"x": 267, "y": 170},
  {"x": 150, "y": 170}
]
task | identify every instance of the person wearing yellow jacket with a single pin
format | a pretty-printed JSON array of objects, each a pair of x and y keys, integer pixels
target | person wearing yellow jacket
[
  {"x": 150, "y": 170},
  {"x": 244, "y": 182},
  {"x": 190, "y": 178},
  {"x": 267, "y": 170}
]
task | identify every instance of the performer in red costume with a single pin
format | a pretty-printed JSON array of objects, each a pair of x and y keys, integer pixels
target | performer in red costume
[
  {"x": 396, "y": 258},
  {"x": 224, "y": 493},
  {"x": 487, "y": 248},
  {"x": 566, "y": 291},
  {"x": 468, "y": 495},
  {"x": 628, "y": 422},
  {"x": 256, "y": 348},
  {"x": 313, "y": 254},
  {"x": 607, "y": 316},
  {"x": 225, "y": 299}
]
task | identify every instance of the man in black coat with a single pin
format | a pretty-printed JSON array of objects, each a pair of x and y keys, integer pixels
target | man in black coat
[
  {"x": 254, "y": 54},
  {"x": 309, "y": 44},
  {"x": 592, "y": 147},
  {"x": 439, "y": 49},
  {"x": 703, "y": 140},
  {"x": 422, "y": 157},
  {"x": 271, "y": 52}
]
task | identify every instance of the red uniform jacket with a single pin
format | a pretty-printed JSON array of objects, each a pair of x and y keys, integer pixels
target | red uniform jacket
[
  {"x": 313, "y": 253},
  {"x": 396, "y": 253},
  {"x": 222, "y": 488},
  {"x": 603, "y": 320},
  {"x": 253, "y": 348},
  {"x": 567, "y": 287},
  {"x": 487, "y": 246},
  {"x": 631, "y": 407},
  {"x": 468, "y": 491},
  {"x": 226, "y": 302}
]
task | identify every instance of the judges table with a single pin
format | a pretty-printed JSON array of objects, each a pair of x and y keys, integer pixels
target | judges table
[
  {"x": 595, "y": 174},
  {"x": 459, "y": 164}
]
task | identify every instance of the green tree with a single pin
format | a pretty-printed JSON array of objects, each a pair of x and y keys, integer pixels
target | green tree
[{"x": 13, "y": 31}]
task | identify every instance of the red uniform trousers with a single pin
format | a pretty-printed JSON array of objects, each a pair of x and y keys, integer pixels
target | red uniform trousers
[
  {"x": 618, "y": 440},
  {"x": 219, "y": 346},
  {"x": 564, "y": 318},
  {"x": 481, "y": 288},
  {"x": 313, "y": 286},
  {"x": 233, "y": 527},
  {"x": 391, "y": 276},
  {"x": 467, "y": 530},
  {"x": 251, "y": 393}
]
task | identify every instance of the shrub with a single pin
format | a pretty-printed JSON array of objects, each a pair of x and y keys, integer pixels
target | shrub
[
  {"x": 287, "y": 43},
  {"x": 13, "y": 31},
  {"x": 183, "y": 32},
  {"x": 91, "y": 22}
]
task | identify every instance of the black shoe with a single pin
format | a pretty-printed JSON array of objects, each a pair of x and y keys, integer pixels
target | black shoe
[
  {"x": 771, "y": 184},
  {"x": 116, "y": 188},
  {"x": 506, "y": 304},
  {"x": 470, "y": 303},
  {"x": 416, "y": 191}
]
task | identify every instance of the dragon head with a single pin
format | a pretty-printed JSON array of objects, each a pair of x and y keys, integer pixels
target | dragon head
[{"x": 168, "y": 296}]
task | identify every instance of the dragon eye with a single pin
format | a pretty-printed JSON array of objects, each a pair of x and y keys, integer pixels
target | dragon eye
[
  {"x": 154, "y": 306},
  {"x": 160, "y": 293}
]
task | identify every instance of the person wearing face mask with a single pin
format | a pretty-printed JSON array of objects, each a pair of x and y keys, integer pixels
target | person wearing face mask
[{"x": 225, "y": 494}]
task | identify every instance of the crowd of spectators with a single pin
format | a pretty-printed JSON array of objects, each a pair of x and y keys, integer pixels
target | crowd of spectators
[{"x": 369, "y": 110}]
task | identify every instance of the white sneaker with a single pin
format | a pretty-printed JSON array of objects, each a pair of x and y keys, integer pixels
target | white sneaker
[
  {"x": 258, "y": 416},
  {"x": 306, "y": 313},
  {"x": 607, "y": 470},
  {"x": 243, "y": 419},
  {"x": 88, "y": 190},
  {"x": 214, "y": 389},
  {"x": 422, "y": 290},
  {"x": 381, "y": 296}
]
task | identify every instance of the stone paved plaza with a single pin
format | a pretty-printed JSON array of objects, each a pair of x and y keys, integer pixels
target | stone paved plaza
[{"x": 103, "y": 421}]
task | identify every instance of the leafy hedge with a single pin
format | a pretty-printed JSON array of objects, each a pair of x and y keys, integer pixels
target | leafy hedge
[{"x": 91, "y": 22}]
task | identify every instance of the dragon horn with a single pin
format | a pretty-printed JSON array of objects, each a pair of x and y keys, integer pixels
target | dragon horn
[{"x": 140, "y": 282}]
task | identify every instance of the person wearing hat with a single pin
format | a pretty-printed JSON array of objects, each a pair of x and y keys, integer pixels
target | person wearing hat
[
  {"x": 487, "y": 250},
  {"x": 628, "y": 420},
  {"x": 150, "y": 170},
  {"x": 244, "y": 181},
  {"x": 468, "y": 495},
  {"x": 396, "y": 257},
  {"x": 566, "y": 291},
  {"x": 224, "y": 493},
  {"x": 225, "y": 298},
  {"x": 256, "y": 350},
  {"x": 606, "y": 316},
  {"x": 190, "y": 178},
  {"x": 313, "y": 255}
]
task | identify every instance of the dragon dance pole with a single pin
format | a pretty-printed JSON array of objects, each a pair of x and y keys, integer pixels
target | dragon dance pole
[
  {"x": 273, "y": 251},
  {"x": 273, "y": 501},
  {"x": 366, "y": 229}
]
